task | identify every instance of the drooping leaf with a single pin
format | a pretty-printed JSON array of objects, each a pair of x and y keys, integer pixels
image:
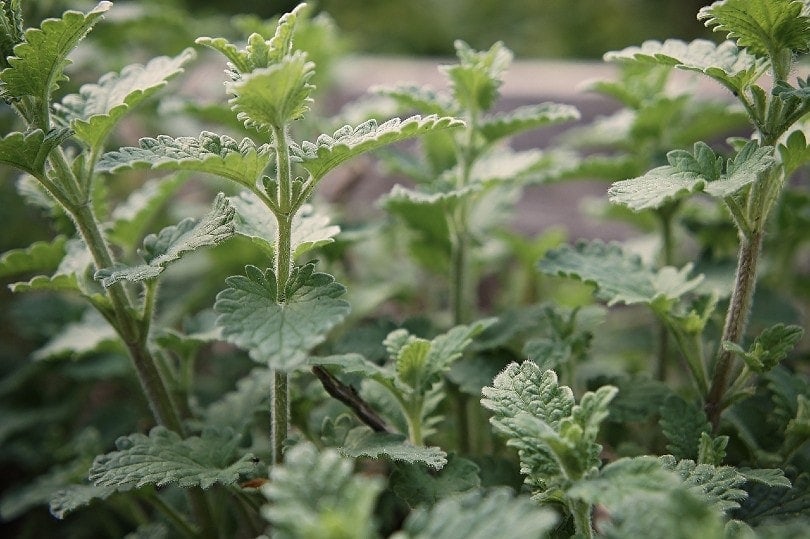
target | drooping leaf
[
  {"x": 419, "y": 485},
  {"x": 507, "y": 124},
  {"x": 29, "y": 152},
  {"x": 317, "y": 495},
  {"x": 765, "y": 27},
  {"x": 769, "y": 348},
  {"x": 683, "y": 423},
  {"x": 279, "y": 328},
  {"x": 273, "y": 96},
  {"x": 39, "y": 256},
  {"x": 364, "y": 442},
  {"x": 170, "y": 244},
  {"x": 719, "y": 485},
  {"x": 71, "y": 275},
  {"x": 97, "y": 108},
  {"x": 38, "y": 63},
  {"x": 618, "y": 276},
  {"x": 130, "y": 218},
  {"x": 164, "y": 458},
  {"x": 733, "y": 68},
  {"x": 479, "y": 514},
  {"x": 310, "y": 229},
  {"x": 327, "y": 152},
  {"x": 477, "y": 76},
  {"x": 88, "y": 335},
  {"x": 241, "y": 162},
  {"x": 67, "y": 500}
]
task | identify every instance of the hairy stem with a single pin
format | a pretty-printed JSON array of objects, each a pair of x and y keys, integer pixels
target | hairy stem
[
  {"x": 736, "y": 320},
  {"x": 583, "y": 522}
]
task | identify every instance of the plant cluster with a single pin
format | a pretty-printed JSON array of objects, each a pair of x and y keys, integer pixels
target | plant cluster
[{"x": 284, "y": 403}]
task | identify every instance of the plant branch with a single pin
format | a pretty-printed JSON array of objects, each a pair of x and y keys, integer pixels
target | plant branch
[{"x": 348, "y": 396}]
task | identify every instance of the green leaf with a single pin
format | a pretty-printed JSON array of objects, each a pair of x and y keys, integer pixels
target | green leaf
[
  {"x": 364, "y": 442},
  {"x": 682, "y": 424},
  {"x": 77, "y": 339},
  {"x": 327, "y": 152},
  {"x": 765, "y": 27},
  {"x": 733, "y": 68},
  {"x": 418, "y": 98},
  {"x": 279, "y": 328},
  {"x": 29, "y": 152},
  {"x": 241, "y": 162},
  {"x": 310, "y": 229},
  {"x": 689, "y": 173},
  {"x": 419, "y": 485},
  {"x": 71, "y": 275},
  {"x": 271, "y": 97},
  {"x": 38, "y": 63},
  {"x": 164, "y": 458},
  {"x": 67, "y": 500},
  {"x": 623, "y": 479},
  {"x": 769, "y": 348},
  {"x": 638, "y": 398},
  {"x": 236, "y": 409},
  {"x": 507, "y": 124},
  {"x": 317, "y": 495},
  {"x": 475, "y": 80},
  {"x": 173, "y": 242},
  {"x": 712, "y": 450},
  {"x": 766, "y": 503},
  {"x": 772, "y": 477},
  {"x": 97, "y": 108},
  {"x": 131, "y": 217},
  {"x": 480, "y": 515},
  {"x": 794, "y": 152},
  {"x": 39, "y": 256},
  {"x": 618, "y": 276},
  {"x": 717, "y": 484}
]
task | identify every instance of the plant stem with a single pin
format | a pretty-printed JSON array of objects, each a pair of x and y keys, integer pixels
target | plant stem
[
  {"x": 348, "y": 396},
  {"x": 581, "y": 511},
  {"x": 736, "y": 320},
  {"x": 280, "y": 415},
  {"x": 668, "y": 256}
]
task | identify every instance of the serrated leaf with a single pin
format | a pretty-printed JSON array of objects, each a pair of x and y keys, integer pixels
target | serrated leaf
[
  {"x": 364, "y": 442},
  {"x": 507, "y": 124},
  {"x": 80, "y": 338},
  {"x": 280, "y": 330},
  {"x": 769, "y": 347},
  {"x": 71, "y": 274},
  {"x": 418, "y": 98},
  {"x": 316, "y": 495},
  {"x": 618, "y": 276},
  {"x": 682, "y": 424},
  {"x": 765, "y": 27},
  {"x": 419, "y": 485},
  {"x": 772, "y": 477},
  {"x": 476, "y": 78},
  {"x": 67, "y": 500},
  {"x": 39, "y": 256},
  {"x": 724, "y": 62},
  {"x": 164, "y": 458},
  {"x": 242, "y": 162},
  {"x": 236, "y": 409},
  {"x": 271, "y": 97},
  {"x": 29, "y": 152},
  {"x": 479, "y": 515},
  {"x": 327, "y": 152},
  {"x": 623, "y": 479},
  {"x": 173, "y": 242},
  {"x": 38, "y": 63},
  {"x": 766, "y": 503},
  {"x": 718, "y": 484},
  {"x": 638, "y": 398},
  {"x": 97, "y": 108},
  {"x": 130, "y": 218},
  {"x": 310, "y": 229}
]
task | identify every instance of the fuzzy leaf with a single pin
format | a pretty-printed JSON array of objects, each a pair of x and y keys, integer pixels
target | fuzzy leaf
[
  {"x": 97, "y": 108},
  {"x": 131, "y": 217},
  {"x": 419, "y": 485},
  {"x": 163, "y": 458},
  {"x": 271, "y": 97},
  {"x": 683, "y": 424},
  {"x": 70, "y": 275},
  {"x": 80, "y": 338},
  {"x": 327, "y": 152},
  {"x": 765, "y": 27},
  {"x": 476, "y": 78},
  {"x": 769, "y": 348},
  {"x": 417, "y": 98},
  {"x": 317, "y": 495},
  {"x": 479, "y": 515},
  {"x": 794, "y": 152},
  {"x": 502, "y": 125},
  {"x": 241, "y": 162},
  {"x": 310, "y": 229},
  {"x": 622, "y": 479},
  {"x": 718, "y": 484},
  {"x": 29, "y": 152},
  {"x": 364, "y": 442},
  {"x": 279, "y": 328},
  {"x": 772, "y": 477},
  {"x": 618, "y": 276},
  {"x": 689, "y": 173},
  {"x": 39, "y": 256},
  {"x": 733, "y": 68},
  {"x": 173, "y": 242},
  {"x": 67, "y": 500},
  {"x": 236, "y": 409},
  {"x": 766, "y": 503},
  {"x": 38, "y": 63}
]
